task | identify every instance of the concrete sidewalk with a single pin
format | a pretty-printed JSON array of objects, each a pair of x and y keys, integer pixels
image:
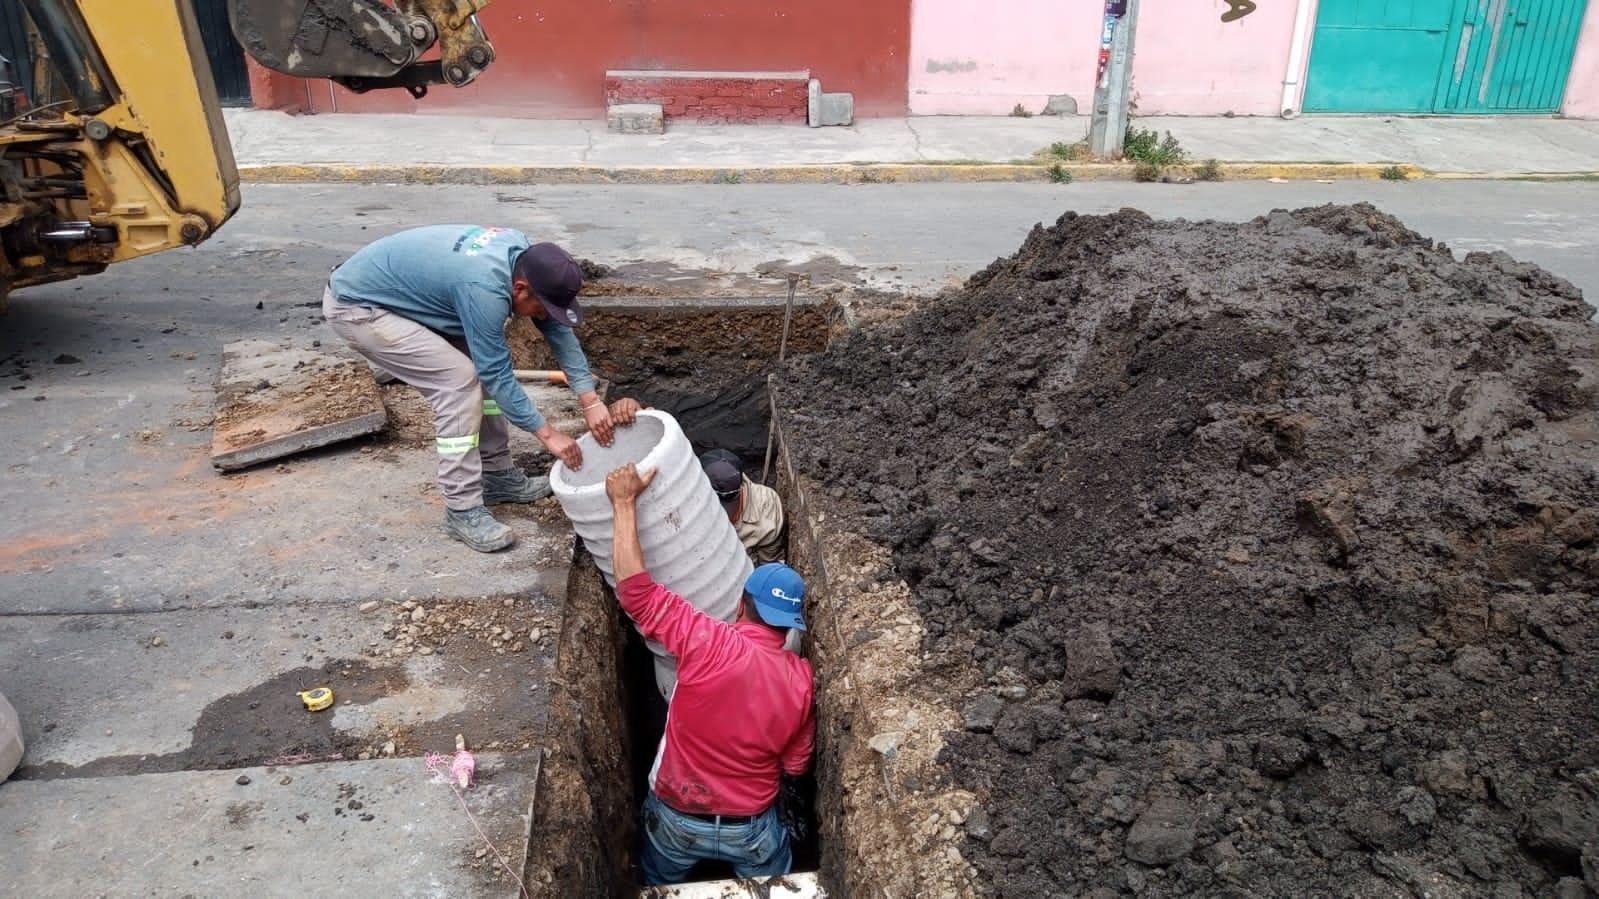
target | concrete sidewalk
[
  {"x": 272, "y": 146},
  {"x": 1498, "y": 145}
]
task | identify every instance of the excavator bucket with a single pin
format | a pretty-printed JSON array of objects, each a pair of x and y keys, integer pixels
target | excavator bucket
[
  {"x": 328, "y": 38},
  {"x": 366, "y": 44}
]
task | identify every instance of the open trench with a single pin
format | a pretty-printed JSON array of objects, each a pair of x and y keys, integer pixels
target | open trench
[{"x": 886, "y": 824}]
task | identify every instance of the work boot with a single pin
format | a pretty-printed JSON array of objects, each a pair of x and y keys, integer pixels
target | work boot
[
  {"x": 513, "y": 486},
  {"x": 477, "y": 528}
]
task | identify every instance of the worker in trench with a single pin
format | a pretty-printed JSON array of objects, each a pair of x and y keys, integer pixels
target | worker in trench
[
  {"x": 741, "y": 724},
  {"x": 429, "y": 306},
  {"x": 755, "y": 509}
]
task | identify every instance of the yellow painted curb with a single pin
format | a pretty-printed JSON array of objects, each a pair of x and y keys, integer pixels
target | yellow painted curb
[
  {"x": 1310, "y": 171},
  {"x": 842, "y": 173},
  {"x": 1516, "y": 176}
]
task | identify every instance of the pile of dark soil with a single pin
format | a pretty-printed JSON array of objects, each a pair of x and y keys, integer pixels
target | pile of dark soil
[{"x": 1258, "y": 557}]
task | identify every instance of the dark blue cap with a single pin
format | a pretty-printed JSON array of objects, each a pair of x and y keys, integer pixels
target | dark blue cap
[{"x": 555, "y": 278}]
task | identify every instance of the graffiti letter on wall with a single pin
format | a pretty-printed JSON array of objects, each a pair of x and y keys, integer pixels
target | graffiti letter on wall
[{"x": 1237, "y": 9}]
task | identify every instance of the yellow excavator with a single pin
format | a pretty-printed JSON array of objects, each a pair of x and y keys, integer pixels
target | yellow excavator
[{"x": 122, "y": 151}]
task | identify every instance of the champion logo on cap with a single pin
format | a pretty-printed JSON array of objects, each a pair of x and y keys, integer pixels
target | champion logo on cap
[
  {"x": 571, "y": 316},
  {"x": 778, "y": 592}
]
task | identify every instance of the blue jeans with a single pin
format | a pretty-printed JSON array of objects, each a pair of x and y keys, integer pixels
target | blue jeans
[{"x": 673, "y": 842}]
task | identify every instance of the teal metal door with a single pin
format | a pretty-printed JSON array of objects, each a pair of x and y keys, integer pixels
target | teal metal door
[
  {"x": 1377, "y": 55},
  {"x": 1442, "y": 56},
  {"x": 1510, "y": 56}
]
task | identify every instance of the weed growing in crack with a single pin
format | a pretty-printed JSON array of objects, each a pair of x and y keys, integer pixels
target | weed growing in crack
[
  {"x": 1144, "y": 145},
  {"x": 1076, "y": 152}
]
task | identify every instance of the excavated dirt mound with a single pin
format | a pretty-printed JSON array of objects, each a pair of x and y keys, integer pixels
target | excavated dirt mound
[{"x": 1259, "y": 558}]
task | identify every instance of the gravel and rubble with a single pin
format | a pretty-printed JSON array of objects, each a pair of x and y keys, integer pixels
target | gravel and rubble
[{"x": 499, "y": 625}]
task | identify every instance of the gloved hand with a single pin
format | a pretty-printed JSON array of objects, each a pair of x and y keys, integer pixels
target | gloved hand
[{"x": 793, "y": 810}]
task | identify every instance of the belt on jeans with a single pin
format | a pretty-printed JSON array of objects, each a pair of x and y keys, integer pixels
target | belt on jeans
[{"x": 731, "y": 820}]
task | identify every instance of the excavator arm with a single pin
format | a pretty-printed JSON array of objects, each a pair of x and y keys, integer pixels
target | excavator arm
[
  {"x": 123, "y": 151},
  {"x": 366, "y": 44}
]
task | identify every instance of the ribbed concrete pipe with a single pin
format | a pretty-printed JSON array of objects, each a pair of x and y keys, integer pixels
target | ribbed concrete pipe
[
  {"x": 689, "y": 545},
  {"x": 10, "y": 739}
]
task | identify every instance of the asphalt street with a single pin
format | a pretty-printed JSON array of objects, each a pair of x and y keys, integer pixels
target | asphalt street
[{"x": 914, "y": 236}]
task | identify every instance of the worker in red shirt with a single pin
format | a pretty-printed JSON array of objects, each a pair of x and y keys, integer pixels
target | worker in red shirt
[{"x": 740, "y": 718}]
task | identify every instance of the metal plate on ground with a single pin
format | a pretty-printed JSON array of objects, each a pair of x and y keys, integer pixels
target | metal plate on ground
[{"x": 275, "y": 400}]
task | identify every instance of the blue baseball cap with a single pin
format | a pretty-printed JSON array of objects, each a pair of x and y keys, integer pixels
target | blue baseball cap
[{"x": 778, "y": 591}]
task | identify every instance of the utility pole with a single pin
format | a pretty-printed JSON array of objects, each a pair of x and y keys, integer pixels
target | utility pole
[{"x": 1113, "y": 93}]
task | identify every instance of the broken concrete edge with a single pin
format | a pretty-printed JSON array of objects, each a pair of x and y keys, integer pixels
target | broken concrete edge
[
  {"x": 896, "y": 829},
  {"x": 299, "y": 442},
  {"x": 821, "y": 173}
]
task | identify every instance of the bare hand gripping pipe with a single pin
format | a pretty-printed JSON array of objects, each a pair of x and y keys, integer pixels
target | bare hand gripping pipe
[{"x": 689, "y": 545}]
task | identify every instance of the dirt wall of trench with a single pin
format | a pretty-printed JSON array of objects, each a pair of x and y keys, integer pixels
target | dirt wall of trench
[
  {"x": 682, "y": 336},
  {"x": 584, "y": 817},
  {"x": 890, "y": 819}
]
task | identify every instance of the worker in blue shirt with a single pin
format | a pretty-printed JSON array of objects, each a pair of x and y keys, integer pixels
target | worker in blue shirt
[{"x": 429, "y": 306}]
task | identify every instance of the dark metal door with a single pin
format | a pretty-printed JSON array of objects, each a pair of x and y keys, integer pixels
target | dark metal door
[
  {"x": 222, "y": 48},
  {"x": 14, "y": 45}
]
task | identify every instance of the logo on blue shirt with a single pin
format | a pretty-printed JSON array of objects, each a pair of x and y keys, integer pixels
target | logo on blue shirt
[{"x": 475, "y": 239}]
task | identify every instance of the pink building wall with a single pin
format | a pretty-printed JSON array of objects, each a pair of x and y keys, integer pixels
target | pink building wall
[
  {"x": 1190, "y": 62},
  {"x": 983, "y": 58},
  {"x": 1582, "y": 87}
]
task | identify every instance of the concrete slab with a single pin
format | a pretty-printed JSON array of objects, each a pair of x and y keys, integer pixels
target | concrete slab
[
  {"x": 275, "y": 400},
  {"x": 348, "y": 523},
  {"x": 378, "y": 828},
  {"x": 216, "y": 688},
  {"x": 322, "y": 531}
]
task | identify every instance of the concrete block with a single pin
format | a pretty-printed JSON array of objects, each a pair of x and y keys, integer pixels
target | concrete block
[
  {"x": 835, "y": 109},
  {"x": 813, "y": 103},
  {"x": 635, "y": 118},
  {"x": 1061, "y": 104}
]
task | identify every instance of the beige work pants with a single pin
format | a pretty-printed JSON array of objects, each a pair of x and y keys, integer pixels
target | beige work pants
[{"x": 471, "y": 434}]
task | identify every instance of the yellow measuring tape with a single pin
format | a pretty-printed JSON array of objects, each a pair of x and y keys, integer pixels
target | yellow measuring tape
[{"x": 316, "y": 699}]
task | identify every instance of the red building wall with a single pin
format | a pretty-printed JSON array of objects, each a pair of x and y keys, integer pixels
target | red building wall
[{"x": 552, "y": 55}]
